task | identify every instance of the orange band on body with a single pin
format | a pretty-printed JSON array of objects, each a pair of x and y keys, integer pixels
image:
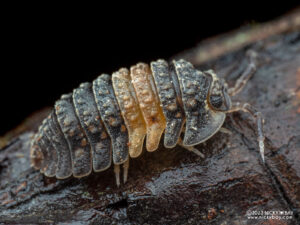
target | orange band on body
[
  {"x": 130, "y": 110},
  {"x": 143, "y": 84}
]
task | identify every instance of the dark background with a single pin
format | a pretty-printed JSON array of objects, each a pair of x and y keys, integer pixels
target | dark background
[{"x": 49, "y": 50}]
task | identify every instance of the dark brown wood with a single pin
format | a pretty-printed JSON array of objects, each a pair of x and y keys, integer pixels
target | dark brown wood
[{"x": 172, "y": 186}]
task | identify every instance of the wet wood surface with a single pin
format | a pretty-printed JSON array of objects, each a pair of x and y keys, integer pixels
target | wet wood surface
[{"x": 173, "y": 186}]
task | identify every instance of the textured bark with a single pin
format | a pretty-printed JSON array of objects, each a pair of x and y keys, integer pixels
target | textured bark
[{"x": 172, "y": 186}]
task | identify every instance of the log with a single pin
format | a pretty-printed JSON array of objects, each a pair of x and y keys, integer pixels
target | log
[{"x": 172, "y": 186}]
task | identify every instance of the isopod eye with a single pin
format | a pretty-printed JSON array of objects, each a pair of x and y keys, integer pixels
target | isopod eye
[
  {"x": 216, "y": 101},
  {"x": 220, "y": 101}
]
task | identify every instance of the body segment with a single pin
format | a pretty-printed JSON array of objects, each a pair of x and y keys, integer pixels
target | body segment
[
  {"x": 48, "y": 145},
  {"x": 130, "y": 110},
  {"x": 201, "y": 121},
  {"x": 111, "y": 117},
  {"x": 77, "y": 141},
  {"x": 169, "y": 99},
  {"x": 145, "y": 90},
  {"x": 64, "y": 161},
  {"x": 88, "y": 115}
]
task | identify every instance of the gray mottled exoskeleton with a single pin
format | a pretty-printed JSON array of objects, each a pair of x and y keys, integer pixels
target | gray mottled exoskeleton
[{"x": 108, "y": 119}]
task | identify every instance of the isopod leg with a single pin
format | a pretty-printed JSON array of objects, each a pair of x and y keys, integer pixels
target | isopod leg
[
  {"x": 246, "y": 107},
  {"x": 125, "y": 171},
  {"x": 191, "y": 148},
  {"x": 225, "y": 130},
  {"x": 117, "y": 174},
  {"x": 246, "y": 75}
]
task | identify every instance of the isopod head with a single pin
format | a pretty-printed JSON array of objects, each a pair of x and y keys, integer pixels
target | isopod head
[{"x": 218, "y": 98}]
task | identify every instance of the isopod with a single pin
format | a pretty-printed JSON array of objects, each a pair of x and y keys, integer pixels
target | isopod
[{"x": 107, "y": 120}]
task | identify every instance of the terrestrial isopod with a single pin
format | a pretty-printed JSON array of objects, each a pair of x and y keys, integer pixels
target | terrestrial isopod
[{"x": 107, "y": 120}]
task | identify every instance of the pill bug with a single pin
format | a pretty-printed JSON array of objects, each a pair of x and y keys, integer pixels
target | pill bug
[{"x": 107, "y": 120}]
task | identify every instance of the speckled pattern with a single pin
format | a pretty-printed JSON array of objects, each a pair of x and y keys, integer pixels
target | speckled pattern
[
  {"x": 76, "y": 138},
  {"x": 64, "y": 163},
  {"x": 112, "y": 118},
  {"x": 201, "y": 121},
  {"x": 45, "y": 143},
  {"x": 88, "y": 115},
  {"x": 130, "y": 110},
  {"x": 107, "y": 120},
  {"x": 169, "y": 101},
  {"x": 143, "y": 84}
]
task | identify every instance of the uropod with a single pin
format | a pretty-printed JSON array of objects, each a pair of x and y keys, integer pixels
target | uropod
[{"x": 107, "y": 120}]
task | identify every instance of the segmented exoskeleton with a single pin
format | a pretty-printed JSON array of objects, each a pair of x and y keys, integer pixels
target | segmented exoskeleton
[{"x": 108, "y": 119}]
